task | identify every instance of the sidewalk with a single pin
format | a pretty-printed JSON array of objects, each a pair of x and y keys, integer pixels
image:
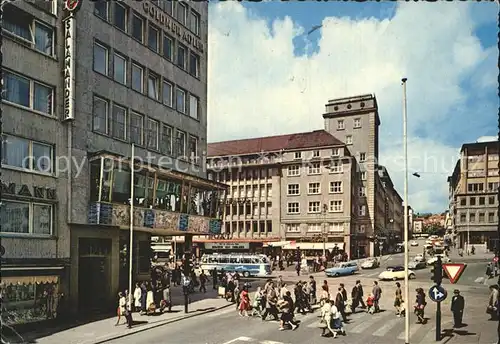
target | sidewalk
[
  {"x": 103, "y": 330},
  {"x": 479, "y": 256}
]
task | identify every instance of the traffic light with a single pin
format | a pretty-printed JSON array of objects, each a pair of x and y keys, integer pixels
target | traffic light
[
  {"x": 437, "y": 272},
  {"x": 298, "y": 255}
]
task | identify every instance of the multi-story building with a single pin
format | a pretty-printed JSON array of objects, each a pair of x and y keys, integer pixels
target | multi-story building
[
  {"x": 474, "y": 194},
  {"x": 325, "y": 183},
  {"x": 93, "y": 80},
  {"x": 418, "y": 227}
]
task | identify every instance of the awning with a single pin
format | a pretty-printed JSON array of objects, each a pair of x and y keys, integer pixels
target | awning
[
  {"x": 277, "y": 243},
  {"x": 313, "y": 245},
  {"x": 29, "y": 280}
]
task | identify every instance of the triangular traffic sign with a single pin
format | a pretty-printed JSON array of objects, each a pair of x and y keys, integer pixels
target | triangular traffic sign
[{"x": 454, "y": 271}]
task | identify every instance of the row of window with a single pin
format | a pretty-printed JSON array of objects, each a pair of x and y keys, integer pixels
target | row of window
[
  {"x": 316, "y": 154},
  {"x": 252, "y": 192},
  {"x": 481, "y": 218},
  {"x": 256, "y": 227},
  {"x": 314, "y": 188},
  {"x": 478, "y": 200},
  {"x": 315, "y": 227},
  {"x": 127, "y": 125},
  {"x": 314, "y": 207},
  {"x": 27, "y": 154},
  {"x": 477, "y": 158},
  {"x": 28, "y": 218},
  {"x": 314, "y": 169},
  {"x": 479, "y": 187},
  {"x": 28, "y": 93},
  {"x": 133, "y": 74},
  {"x": 356, "y": 124},
  {"x": 28, "y": 31},
  {"x": 264, "y": 209},
  {"x": 152, "y": 36}
]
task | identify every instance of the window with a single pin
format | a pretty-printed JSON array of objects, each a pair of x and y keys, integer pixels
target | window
[
  {"x": 194, "y": 65},
  {"x": 28, "y": 31},
  {"x": 153, "y": 84},
  {"x": 166, "y": 140},
  {"x": 180, "y": 100},
  {"x": 293, "y": 189},
  {"x": 293, "y": 170},
  {"x": 481, "y": 217},
  {"x": 120, "y": 68},
  {"x": 336, "y": 227},
  {"x": 193, "y": 148},
  {"x": 472, "y": 201},
  {"x": 101, "y": 9},
  {"x": 491, "y": 200},
  {"x": 293, "y": 227},
  {"x": 27, "y": 154},
  {"x": 313, "y": 189},
  {"x": 314, "y": 227},
  {"x": 180, "y": 143},
  {"x": 26, "y": 218},
  {"x": 362, "y": 191},
  {"x": 153, "y": 38},
  {"x": 137, "y": 78},
  {"x": 463, "y": 218},
  {"x": 101, "y": 59},
  {"x": 298, "y": 155},
  {"x": 100, "y": 115},
  {"x": 463, "y": 201},
  {"x": 28, "y": 93},
  {"x": 314, "y": 207},
  {"x": 357, "y": 123},
  {"x": 293, "y": 208},
  {"x": 167, "y": 93},
  {"x": 195, "y": 23},
  {"x": 340, "y": 124},
  {"x": 336, "y": 206},
  {"x": 362, "y": 157},
  {"x": 336, "y": 167},
  {"x": 361, "y": 210},
  {"x": 475, "y": 187},
  {"x": 348, "y": 140},
  {"x": 316, "y": 154},
  {"x": 181, "y": 56},
  {"x": 119, "y": 126},
  {"x": 120, "y": 17},
  {"x": 492, "y": 186},
  {"x": 335, "y": 187},
  {"x": 138, "y": 28},
  {"x": 152, "y": 134},
  {"x": 481, "y": 200},
  {"x": 491, "y": 217},
  {"x": 193, "y": 106},
  {"x": 362, "y": 229},
  {"x": 181, "y": 13},
  {"x": 136, "y": 128},
  {"x": 363, "y": 175},
  {"x": 472, "y": 217},
  {"x": 335, "y": 151},
  {"x": 168, "y": 47},
  {"x": 314, "y": 168}
]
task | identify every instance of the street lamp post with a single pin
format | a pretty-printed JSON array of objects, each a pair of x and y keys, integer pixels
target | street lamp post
[
  {"x": 325, "y": 231},
  {"x": 406, "y": 258}
]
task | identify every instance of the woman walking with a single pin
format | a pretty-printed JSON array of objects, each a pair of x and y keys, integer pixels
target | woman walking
[
  {"x": 398, "y": 299},
  {"x": 420, "y": 306},
  {"x": 244, "y": 302}
]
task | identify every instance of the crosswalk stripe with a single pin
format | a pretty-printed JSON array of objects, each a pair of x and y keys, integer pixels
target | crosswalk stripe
[
  {"x": 430, "y": 336},
  {"x": 382, "y": 331},
  {"x": 413, "y": 329},
  {"x": 239, "y": 339},
  {"x": 222, "y": 312},
  {"x": 270, "y": 342},
  {"x": 366, "y": 321}
]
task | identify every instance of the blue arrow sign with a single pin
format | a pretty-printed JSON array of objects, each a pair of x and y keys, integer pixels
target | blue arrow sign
[{"x": 437, "y": 293}]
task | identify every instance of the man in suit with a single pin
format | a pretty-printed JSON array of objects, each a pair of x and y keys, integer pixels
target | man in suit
[{"x": 457, "y": 308}]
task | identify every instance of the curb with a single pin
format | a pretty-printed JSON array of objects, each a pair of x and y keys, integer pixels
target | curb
[{"x": 166, "y": 322}]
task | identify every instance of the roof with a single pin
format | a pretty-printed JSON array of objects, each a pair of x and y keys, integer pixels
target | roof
[
  {"x": 480, "y": 145},
  {"x": 317, "y": 138}
]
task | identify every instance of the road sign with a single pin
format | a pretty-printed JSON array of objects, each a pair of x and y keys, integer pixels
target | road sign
[
  {"x": 454, "y": 271},
  {"x": 437, "y": 293},
  {"x": 495, "y": 259}
]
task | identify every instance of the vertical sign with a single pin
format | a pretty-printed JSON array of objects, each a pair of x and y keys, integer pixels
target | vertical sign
[{"x": 71, "y": 7}]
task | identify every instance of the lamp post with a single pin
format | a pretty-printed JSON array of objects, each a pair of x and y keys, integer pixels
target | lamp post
[
  {"x": 325, "y": 231},
  {"x": 406, "y": 258},
  {"x": 131, "y": 243}
]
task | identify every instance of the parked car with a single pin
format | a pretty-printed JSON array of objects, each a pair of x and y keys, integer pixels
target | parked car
[
  {"x": 395, "y": 273},
  {"x": 417, "y": 265},
  {"x": 370, "y": 263},
  {"x": 419, "y": 258},
  {"x": 444, "y": 259},
  {"x": 342, "y": 269},
  {"x": 414, "y": 243}
]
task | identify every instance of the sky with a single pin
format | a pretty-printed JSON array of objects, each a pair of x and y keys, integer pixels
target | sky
[{"x": 268, "y": 76}]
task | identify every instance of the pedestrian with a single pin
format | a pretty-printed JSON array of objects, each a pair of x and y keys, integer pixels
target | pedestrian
[
  {"x": 137, "y": 297},
  {"x": 257, "y": 303},
  {"x": 419, "y": 308},
  {"x": 271, "y": 303},
  {"x": 203, "y": 281},
  {"x": 457, "y": 308},
  {"x": 167, "y": 299},
  {"x": 119, "y": 311},
  {"x": 340, "y": 304},
  {"x": 377, "y": 293},
  {"x": 144, "y": 292},
  {"x": 492, "y": 308},
  {"x": 214, "y": 278},
  {"x": 324, "y": 296},
  {"x": 337, "y": 325},
  {"x": 286, "y": 308},
  {"x": 244, "y": 302},
  {"x": 398, "y": 299},
  {"x": 312, "y": 290},
  {"x": 357, "y": 296}
]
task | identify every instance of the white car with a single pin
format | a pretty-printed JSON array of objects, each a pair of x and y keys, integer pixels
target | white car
[
  {"x": 418, "y": 258},
  {"x": 395, "y": 273},
  {"x": 370, "y": 263},
  {"x": 444, "y": 259},
  {"x": 414, "y": 243}
]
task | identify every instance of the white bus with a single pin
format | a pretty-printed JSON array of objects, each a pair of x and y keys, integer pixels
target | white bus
[{"x": 245, "y": 264}]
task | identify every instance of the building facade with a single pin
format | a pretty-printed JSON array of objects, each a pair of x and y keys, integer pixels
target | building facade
[
  {"x": 473, "y": 190},
  {"x": 324, "y": 184},
  {"x": 95, "y": 79}
]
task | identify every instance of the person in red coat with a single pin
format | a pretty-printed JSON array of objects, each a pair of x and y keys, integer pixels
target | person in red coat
[{"x": 244, "y": 302}]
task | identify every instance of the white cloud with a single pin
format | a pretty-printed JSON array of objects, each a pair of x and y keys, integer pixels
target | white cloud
[
  {"x": 258, "y": 87},
  {"x": 487, "y": 139}
]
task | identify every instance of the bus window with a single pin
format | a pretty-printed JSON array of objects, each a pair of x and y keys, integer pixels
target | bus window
[
  {"x": 255, "y": 260},
  {"x": 246, "y": 260},
  {"x": 234, "y": 260},
  {"x": 223, "y": 260},
  {"x": 263, "y": 260},
  {"x": 204, "y": 260},
  {"x": 212, "y": 260}
]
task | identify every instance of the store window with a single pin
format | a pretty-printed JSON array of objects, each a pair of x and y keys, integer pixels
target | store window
[{"x": 26, "y": 218}]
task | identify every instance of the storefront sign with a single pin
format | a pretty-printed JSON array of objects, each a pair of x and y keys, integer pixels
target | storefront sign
[
  {"x": 69, "y": 67},
  {"x": 172, "y": 26},
  {"x": 24, "y": 190},
  {"x": 227, "y": 246}
]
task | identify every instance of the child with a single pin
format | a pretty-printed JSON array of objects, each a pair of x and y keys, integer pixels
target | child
[{"x": 370, "y": 304}]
